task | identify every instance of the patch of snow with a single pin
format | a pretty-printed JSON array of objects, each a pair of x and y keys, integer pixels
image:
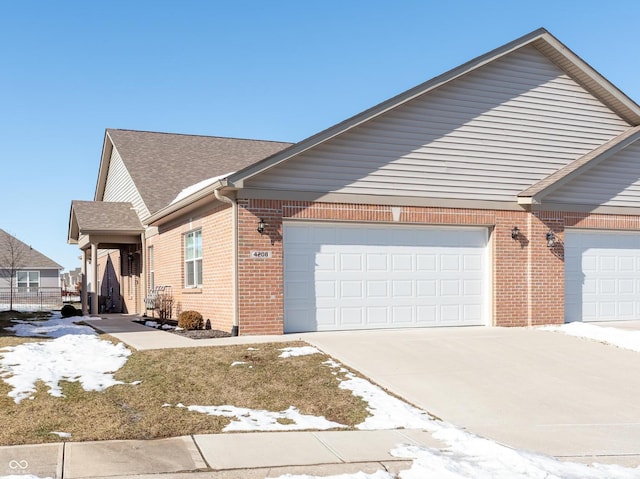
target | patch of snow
[
  {"x": 151, "y": 324},
  {"x": 245, "y": 419},
  {"x": 253, "y": 349},
  {"x": 299, "y": 351},
  {"x": 78, "y": 358},
  {"x": 621, "y": 338},
  {"x": 61, "y": 434},
  {"x": 472, "y": 456},
  {"x": 54, "y": 327},
  {"x": 168, "y": 326},
  {"x": 238, "y": 363},
  {"x": 190, "y": 190}
]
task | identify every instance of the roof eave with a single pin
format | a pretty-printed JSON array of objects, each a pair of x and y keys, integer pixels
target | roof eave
[{"x": 186, "y": 204}]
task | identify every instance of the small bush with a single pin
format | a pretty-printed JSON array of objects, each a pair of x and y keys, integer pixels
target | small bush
[
  {"x": 190, "y": 320},
  {"x": 68, "y": 311}
]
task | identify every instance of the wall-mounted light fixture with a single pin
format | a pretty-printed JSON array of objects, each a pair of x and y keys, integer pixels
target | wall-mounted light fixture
[
  {"x": 551, "y": 239},
  {"x": 261, "y": 226},
  {"x": 515, "y": 232}
]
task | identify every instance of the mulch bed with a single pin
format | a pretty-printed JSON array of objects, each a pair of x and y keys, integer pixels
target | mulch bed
[{"x": 193, "y": 334}]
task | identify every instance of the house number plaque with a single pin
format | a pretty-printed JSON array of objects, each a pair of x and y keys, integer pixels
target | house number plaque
[{"x": 261, "y": 254}]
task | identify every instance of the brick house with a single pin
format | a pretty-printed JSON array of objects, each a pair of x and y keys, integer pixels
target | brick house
[{"x": 503, "y": 192}]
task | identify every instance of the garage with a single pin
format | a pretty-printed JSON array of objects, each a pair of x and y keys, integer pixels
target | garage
[
  {"x": 340, "y": 276},
  {"x": 602, "y": 275}
]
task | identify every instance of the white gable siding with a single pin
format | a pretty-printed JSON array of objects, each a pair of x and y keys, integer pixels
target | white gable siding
[
  {"x": 485, "y": 136},
  {"x": 120, "y": 186},
  {"x": 613, "y": 182}
]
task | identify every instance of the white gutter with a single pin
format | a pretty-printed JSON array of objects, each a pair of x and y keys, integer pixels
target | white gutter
[{"x": 234, "y": 235}]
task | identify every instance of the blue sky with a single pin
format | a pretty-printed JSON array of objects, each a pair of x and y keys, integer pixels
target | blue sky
[{"x": 276, "y": 70}]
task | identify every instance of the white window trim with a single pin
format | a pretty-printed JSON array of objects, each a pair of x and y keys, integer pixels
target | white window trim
[
  {"x": 196, "y": 260},
  {"x": 29, "y": 284}
]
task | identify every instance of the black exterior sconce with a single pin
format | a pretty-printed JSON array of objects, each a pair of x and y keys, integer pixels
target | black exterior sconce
[
  {"x": 551, "y": 239},
  {"x": 261, "y": 226},
  {"x": 515, "y": 232}
]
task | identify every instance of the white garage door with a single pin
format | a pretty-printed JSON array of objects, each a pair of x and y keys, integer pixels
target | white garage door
[
  {"x": 346, "y": 276},
  {"x": 602, "y": 276}
]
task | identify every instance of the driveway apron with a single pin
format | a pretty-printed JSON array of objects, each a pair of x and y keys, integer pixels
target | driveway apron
[{"x": 526, "y": 388}]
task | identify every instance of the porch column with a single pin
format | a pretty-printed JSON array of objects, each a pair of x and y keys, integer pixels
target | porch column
[
  {"x": 83, "y": 282},
  {"x": 94, "y": 278}
]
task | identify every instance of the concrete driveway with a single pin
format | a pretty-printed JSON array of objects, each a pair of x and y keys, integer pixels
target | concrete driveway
[{"x": 548, "y": 392}]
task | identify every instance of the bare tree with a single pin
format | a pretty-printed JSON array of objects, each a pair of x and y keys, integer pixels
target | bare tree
[{"x": 12, "y": 256}]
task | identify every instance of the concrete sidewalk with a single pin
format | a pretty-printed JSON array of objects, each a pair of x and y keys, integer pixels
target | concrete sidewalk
[
  {"x": 228, "y": 456},
  {"x": 141, "y": 337}
]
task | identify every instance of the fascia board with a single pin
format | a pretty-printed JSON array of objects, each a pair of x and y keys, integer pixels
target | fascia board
[
  {"x": 180, "y": 207},
  {"x": 105, "y": 160}
]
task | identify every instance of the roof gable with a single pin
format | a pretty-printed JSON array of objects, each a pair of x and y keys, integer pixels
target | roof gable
[
  {"x": 91, "y": 217},
  {"x": 608, "y": 177},
  {"x": 576, "y": 68},
  {"x": 27, "y": 256},
  {"x": 484, "y": 136},
  {"x": 161, "y": 165}
]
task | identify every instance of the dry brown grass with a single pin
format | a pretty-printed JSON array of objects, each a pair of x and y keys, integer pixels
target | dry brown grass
[
  {"x": 7, "y": 316},
  {"x": 195, "y": 376}
]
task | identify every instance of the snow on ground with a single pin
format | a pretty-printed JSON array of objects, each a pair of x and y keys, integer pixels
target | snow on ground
[
  {"x": 621, "y": 338},
  {"x": 54, "y": 327},
  {"x": 245, "y": 419},
  {"x": 238, "y": 363},
  {"x": 464, "y": 456},
  {"x": 298, "y": 351},
  {"x": 61, "y": 434},
  {"x": 64, "y": 358}
]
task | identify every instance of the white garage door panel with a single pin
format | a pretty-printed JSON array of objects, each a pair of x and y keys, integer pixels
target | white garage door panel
[
  {"x": 341, "y": 276},
  {"x": 602, "y": 276}
]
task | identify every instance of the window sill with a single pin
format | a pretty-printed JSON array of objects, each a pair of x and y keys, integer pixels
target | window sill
[{"x": 192, "y": 291}]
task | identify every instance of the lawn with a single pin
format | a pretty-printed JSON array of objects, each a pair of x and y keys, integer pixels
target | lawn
[{"x": 194, "y": 376}]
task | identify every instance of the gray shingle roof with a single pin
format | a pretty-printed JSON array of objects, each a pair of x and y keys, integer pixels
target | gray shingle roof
[
  {"x": 93, "y": 216},
  {"x": 29, "y": 257},
  {"x": 163, "y": 164}
]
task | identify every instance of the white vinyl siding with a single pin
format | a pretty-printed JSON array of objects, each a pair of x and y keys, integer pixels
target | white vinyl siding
[
  {"x": 485, "y": 136},
  {"x": 613, "y": 182},
  {"x": 120, "y": 186},
  {"x": 363, "y": 276}
]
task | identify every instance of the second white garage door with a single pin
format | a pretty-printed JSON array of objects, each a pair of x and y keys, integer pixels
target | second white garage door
[
  {"x": 357, "y": 276},
  {"x": 602, "y": 275}
]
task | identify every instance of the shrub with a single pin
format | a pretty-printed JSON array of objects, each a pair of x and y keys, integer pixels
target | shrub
[
  {"x": 68, "y": 310},
  {"x": 190, "y": 320}
]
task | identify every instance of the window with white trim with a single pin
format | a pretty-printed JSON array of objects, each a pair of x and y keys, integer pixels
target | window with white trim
[
  {"x": 28, "y": 280},
  {"x": 193, "y": 259},
  {"x": 152, "y": 274}
]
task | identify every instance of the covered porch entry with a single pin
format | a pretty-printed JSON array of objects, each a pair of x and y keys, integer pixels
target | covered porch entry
[{"x": 111, "y": 239}]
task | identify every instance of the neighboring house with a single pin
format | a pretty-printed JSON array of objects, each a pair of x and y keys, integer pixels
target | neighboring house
[
  {"x": 503, "y": 192},
  {"x": 71, "y": 280},
  {"x": 32, "y": 278}
]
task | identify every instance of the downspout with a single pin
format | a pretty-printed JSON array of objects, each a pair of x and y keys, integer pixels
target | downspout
[{"x": 234, "y": 240}]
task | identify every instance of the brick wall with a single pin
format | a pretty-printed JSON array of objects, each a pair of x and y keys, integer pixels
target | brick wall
[
  {"x": 528, "y": 275},
  {"x": 214, "y": 300}
]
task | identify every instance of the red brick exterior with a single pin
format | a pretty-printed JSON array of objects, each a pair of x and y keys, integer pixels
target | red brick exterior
[
  {"x": 214, "y": 300},
  {"x": 527, "y": 275}
]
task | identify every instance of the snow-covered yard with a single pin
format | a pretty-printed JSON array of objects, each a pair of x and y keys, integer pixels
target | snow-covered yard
[{"x": 465, "y": 455}]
